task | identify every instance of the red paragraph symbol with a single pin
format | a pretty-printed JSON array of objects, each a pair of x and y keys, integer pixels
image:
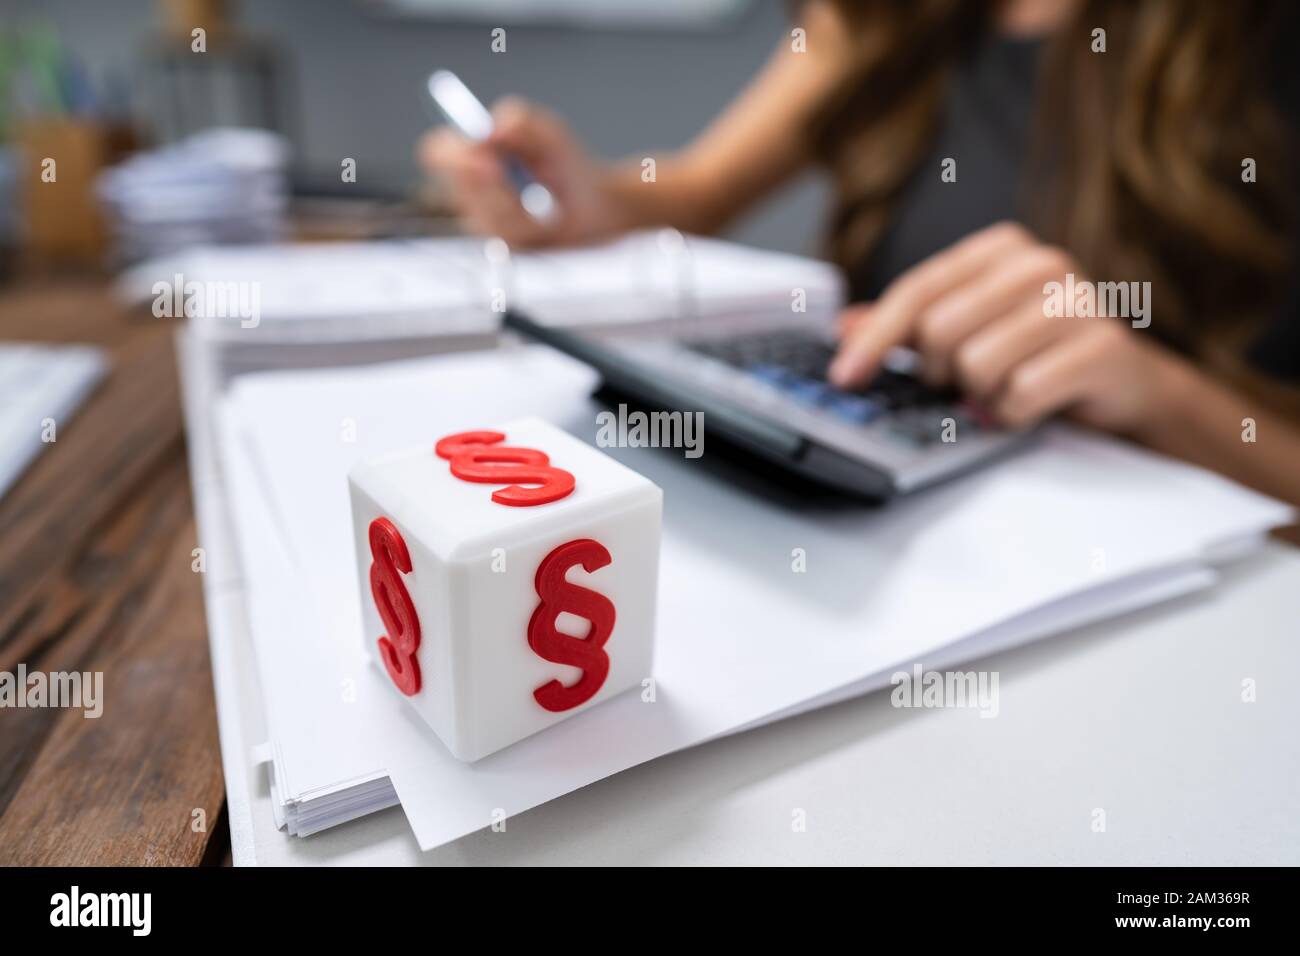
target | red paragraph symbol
[
  {"x": 396, "y": 648},
  {"x": 480, "y": 456},
  {"x": 558, "y": 596}
]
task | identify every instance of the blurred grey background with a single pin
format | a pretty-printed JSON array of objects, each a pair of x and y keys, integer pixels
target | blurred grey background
[{"x": 355, "y": 70}]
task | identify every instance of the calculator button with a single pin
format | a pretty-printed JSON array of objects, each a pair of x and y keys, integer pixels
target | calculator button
[
  {"x": 855, "y": 409},
  {"x": 811, "y": 392}
]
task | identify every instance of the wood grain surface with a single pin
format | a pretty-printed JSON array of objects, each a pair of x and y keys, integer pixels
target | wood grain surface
[{"x": 95, "y": 575}]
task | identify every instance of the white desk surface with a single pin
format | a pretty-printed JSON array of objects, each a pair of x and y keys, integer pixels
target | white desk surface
[{"x": 1142, "y": 716}]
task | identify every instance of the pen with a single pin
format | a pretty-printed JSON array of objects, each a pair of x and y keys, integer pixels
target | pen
[{"x": 462, "y": 109}]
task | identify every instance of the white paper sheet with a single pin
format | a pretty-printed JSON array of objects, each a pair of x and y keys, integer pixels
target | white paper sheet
[
  {"x": 368, "y": 291},
  {"x": 741, "y": 637}
]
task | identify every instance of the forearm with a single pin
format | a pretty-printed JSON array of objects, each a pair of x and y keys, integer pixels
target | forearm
[
  {"x": 1207, "y": 423},
  {"x": 753, "y": 147},
  {"x": 669, "y": 193}
]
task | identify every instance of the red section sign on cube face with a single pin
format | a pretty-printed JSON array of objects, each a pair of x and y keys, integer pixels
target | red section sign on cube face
[
  {"x": 560, "y": 596},
  {"x": 480, "y": 456},
  {"x": 492, "y": 660},
  {"x": 401, "y": 639}
]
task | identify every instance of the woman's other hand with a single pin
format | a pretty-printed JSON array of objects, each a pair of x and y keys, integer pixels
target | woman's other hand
[{"x": 487, "y": 201}]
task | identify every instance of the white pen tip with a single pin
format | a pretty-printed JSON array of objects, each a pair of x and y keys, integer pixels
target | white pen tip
[{"x": 538, "y": 202}]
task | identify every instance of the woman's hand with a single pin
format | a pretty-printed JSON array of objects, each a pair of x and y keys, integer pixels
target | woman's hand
[
  {"x": 486, "y": 200},
  {"x": 976, "y": 314}
]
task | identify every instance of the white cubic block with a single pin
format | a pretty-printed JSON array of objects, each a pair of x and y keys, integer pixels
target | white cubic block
[{"x": 507, "y": 582}]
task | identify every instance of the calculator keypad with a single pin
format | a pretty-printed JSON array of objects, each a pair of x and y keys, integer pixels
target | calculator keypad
[{"x": 796, "y": 364}]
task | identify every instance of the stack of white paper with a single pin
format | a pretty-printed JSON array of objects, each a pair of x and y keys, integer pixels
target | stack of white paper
[
  {"x": 328, "y": 295},
  {"x": 1073, "y": 529},
  {"x": 220, "y": 185},
  {"x": 347, "y": 304}
]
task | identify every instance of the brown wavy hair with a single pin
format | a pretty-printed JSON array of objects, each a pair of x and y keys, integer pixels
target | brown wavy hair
[{"x": 1136, "y": 157}]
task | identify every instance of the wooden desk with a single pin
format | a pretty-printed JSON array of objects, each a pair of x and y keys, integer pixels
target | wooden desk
[{"x": 95, "y": 575}]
